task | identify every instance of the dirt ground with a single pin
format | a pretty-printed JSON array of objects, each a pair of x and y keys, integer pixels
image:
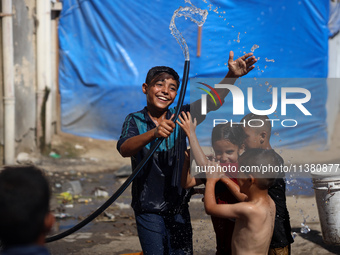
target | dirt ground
[{"x": 93, "y": 164}]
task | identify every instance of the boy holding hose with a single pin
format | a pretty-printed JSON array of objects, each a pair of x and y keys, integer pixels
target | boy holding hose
[{"x": 159, "y": 202}]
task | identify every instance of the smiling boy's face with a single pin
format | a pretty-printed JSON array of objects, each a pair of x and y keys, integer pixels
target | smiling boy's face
[{"x": 161, "y": 92}]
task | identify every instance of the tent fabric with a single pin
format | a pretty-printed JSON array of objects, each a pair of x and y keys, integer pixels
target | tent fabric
[
  {"x": 334, "y": 18},
  {"x": 107, "y": 47}
]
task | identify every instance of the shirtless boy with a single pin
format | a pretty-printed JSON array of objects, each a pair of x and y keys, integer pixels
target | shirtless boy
[
  {"x": 258, "y": 136},
  {"x": 256, "y": 216}
]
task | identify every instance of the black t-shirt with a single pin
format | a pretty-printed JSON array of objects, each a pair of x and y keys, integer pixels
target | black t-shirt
[{"x": 282, "y": 230}]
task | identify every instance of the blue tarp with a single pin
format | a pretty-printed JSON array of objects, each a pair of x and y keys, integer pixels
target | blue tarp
[{"x": 107, "y": 47}]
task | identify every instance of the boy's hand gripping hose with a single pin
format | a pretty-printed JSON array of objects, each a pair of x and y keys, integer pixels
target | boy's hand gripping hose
[{"x": 134, "y": 173}]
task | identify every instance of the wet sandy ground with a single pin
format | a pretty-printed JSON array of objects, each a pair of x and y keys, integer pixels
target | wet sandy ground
[
  {"x": 94, "y": 164},
  {"x": 119, "y": 235}
]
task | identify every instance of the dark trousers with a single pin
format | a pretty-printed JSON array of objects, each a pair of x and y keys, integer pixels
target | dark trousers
[{"x": 165, "y": 234}]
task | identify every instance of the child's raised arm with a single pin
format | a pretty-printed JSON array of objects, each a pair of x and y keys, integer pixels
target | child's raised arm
[
  {"x": 237, "y": 68},
  {"x": 234, "y": 189},
  {"x": 187, "y": 180},
  {"x": 234, "y": 211},
  {"x": 189, "y": 128}
]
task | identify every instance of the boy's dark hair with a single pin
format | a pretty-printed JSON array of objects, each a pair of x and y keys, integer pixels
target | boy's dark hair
[
  {"x": 154, "y": 71},
  {"x": 24, "y": 204},
  {"x": 266, "y": 126},
  {"x": 235, "y": 134},
  {"x": 257, "y": 160}
]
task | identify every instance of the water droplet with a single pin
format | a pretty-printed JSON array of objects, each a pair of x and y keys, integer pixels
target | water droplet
[
  {"x": 269, "y": 60},
  {"x": 238, "y": 37},
  {"x": 255, "y": 46},
  {"x": 304, "y": 228}
]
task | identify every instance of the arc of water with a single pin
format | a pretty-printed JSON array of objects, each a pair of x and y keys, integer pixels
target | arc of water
[{"x": 196, "y": 15}]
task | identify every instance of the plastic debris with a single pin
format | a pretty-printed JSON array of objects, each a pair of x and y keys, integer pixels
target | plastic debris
[
  {"x": 110, "y": 216},
  {"x": 100, "y": 192},
  {"x": 66, "y": 197},
  {"x": 79, "y": 147},
  {"x": 84, "y": 200},
  {"x": 73, "y": 187},
  {"x": 23, "y": 158},
  {"x": 62, "y": 215},
  {"x": 54, "y": 155},
  {"x": 122, "y": 205}
]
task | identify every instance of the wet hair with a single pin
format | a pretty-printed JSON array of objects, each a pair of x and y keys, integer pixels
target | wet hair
[
  {"x": 235, "y": 134},
  {"x": 266, "y": 126},
  {"x": 24, "y": 203},
  {"x": 156, "y": 71},
  {"x": 260, "y": 158}
]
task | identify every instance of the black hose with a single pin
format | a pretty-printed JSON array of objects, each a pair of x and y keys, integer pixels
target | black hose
[{"x": 128, "y": 181}]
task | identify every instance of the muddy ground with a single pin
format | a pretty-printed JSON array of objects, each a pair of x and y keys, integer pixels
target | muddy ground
[{"x": 94, "y": 164}]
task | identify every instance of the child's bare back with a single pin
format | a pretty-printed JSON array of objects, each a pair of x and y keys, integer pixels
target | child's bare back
[{"x": 253, "y": 230}]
